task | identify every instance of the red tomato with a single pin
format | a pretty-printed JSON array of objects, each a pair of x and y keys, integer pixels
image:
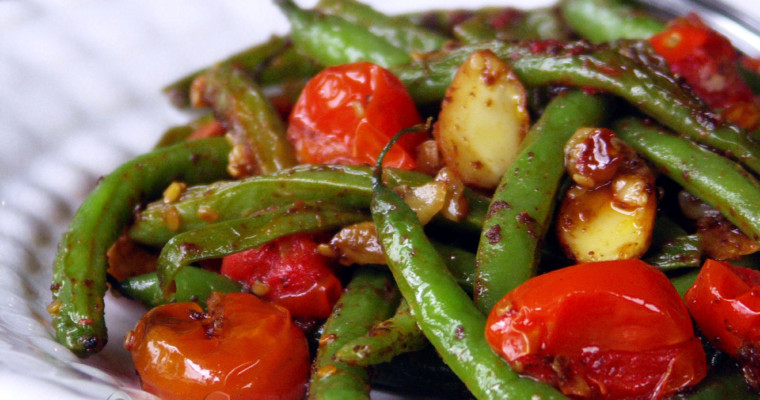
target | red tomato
[
  {"x": 707, "y": 61},
  {"x": 605, "y": 330},
  {"x": 346, "y": 114},
  {"x": 210, "y": 129},
  {"x": 290, "y": 273},
  {"x": 242, "y": 348},
  {"x": 725, "y": 303}
]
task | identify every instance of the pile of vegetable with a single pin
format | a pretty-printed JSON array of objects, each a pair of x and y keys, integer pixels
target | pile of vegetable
[{"x": 492, "y": 203}]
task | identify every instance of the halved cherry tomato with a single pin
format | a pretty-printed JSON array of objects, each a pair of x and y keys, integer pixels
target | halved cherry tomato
[
  {"x": 346, "y": 114},
  {"x": 242, "y": 348},
  {"x": 290, "y": 273},
  {"x": 725, "y": 303},
  {"x": 707, "y": 61},
  {"x": 605, "y": 330}
]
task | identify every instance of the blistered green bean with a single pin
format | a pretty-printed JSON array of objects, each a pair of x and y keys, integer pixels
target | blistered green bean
[
  {"x": 348, "y": 186},
  {"x": 191, "y": 284},
  {"x": 714, "y": 179},
  {"x": 233, "y": 236},
  {"x": 679, "y": 252},
  {"x": 249, "y": 59},
  {"x": 513, "y": 24},
  {"x": 331, "y": 40},
  {"x": 628, "y": 69},
  {"x": 400, "y": 32},
  {"x": 254, "y": 128},
  {"x": 369, "y": 298},
  {"x": 521, "y": 208},
  {"x": 79, "y": 274},
  {"x": 444, "y": 311},
  {"x": 385, "y": 340},
  {"x": 606, "y": 20}
]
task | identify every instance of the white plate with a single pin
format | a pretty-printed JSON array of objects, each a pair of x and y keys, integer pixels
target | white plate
[{"x": 80, "y": 94}]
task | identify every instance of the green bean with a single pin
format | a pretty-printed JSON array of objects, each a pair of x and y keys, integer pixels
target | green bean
[
  {"x": 387, "y": 339},
  {"x": 679, "y": 252},
  {"x": 513, "y": 24},
  {"x": 714, "y": 179},
  {"x": 461, "y": 264},
  {"x": 428, "y": 78},
  {"x": 542, "y": 23},
  {"x": 683, "y": 282},
  {"x": 331, "y": 40},
  {"x": 444, "y": 311},
  {"x": 369, "y": 298},
  {"x": 79, "y": 274},
  {"x": 400, "y": 32},
  {"x": 522, "y": 206},
  {"x": 249, "y": 59},
  {"x": 627, "y": 69},
  {"x": 286, "y": 67},
  {"x": 348, "y": 186},
  {"x": 254, "y": 128},
  {"x": 664, "y": 230},
  {"x": 441, "y": 21},
  {"x": 192, "y": 284},
  {"x": 727, "y": 383},
  {"x": 607, "y": 20},
  {"x": 233, "y": 236},
  {"x": 446, "y": 21}
]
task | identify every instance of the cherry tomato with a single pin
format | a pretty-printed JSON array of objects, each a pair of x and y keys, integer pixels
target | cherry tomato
[
  {"x": 242, "y": 348},
  {"x": 725, "y": 303},
  {"x": 290, "y": 273},
  {"x": 604, "y": 330},
  {"x": 207, "y": 130},
  {"x": 707, "y": 61},
  {"x": 346, "y": 114}
]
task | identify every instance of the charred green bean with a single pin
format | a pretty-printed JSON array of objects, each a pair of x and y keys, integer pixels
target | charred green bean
[
  {"x": 369, "y": 298},
  {"x": 233, "y": 236},
  {"x": 522, "y": 206},
  {"x": 627, "y": 69},
  {"x": 607, "y": 20},
  {"x": 79, "y": 274},
  {"x": 385, "y": 340},
  {"x": 191, "y": 283},
  {"x": 249, "y": 59},
  {"x": 400, "y": 32},
  {"x": 714, "y": 179},
  {"x": 254, "y": 128},
  {"x": 348, "y": 186},
  {"x": 446, "y": 315},
  {"x": 331, "y": 40}
]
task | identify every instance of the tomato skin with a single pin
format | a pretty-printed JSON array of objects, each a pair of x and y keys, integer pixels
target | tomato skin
[
  {"x": 243, "y": 347},
  {"x": 707, "y": 61},
  {"x": 603, "y": 330},
  {"x": 725, "y": 303},
  {"x": 346, "y": 114},
  {"x": 288, "y": 272}
]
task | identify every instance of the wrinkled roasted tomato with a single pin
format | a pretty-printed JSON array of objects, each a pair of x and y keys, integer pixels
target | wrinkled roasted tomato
[
  {"x": 604, "y": 330},
  {"x": 707, "y": 61},
  {"x": 725, "y": 303},
  {"x": 289, "y": 272},
  {"x": 242, "y": 347},
  {"x": 346, "y": 114}
]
